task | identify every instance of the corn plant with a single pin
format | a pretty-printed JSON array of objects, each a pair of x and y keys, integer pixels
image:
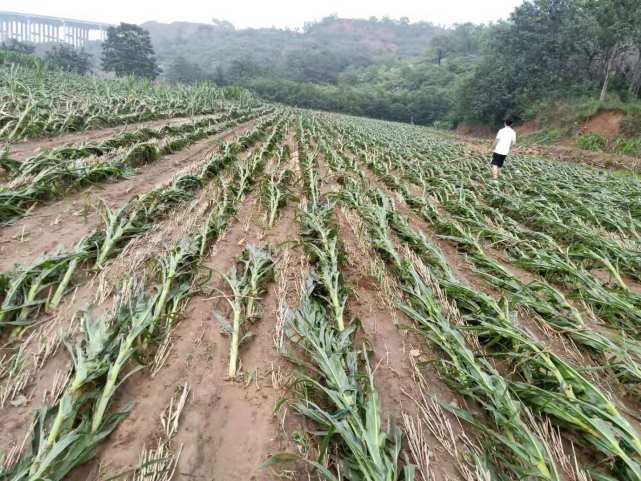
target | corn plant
[
  {"x": 49, "y": 278},
  {"x": 620, "y": 355},
  {"x": 246, "y": 281},
  {"x": 339, "y": 400},
  {"x": 557, "y": 379},
  {"x": 50, "y": 103},
  {"x": 321, "y": 244},
  {"x": 10, "y": 165},
  {"x": 120, "y": 224},
  {"x": 68, "y": 433},
  {"x": 56, "y": 179},
  {"x": 541, "y": 297},
  {"x": 61, "y": 155},
  {"x": 623, "y": 443},
  {"x": 23, "y": 288},
  {"x": 515, "y": 445},
  {"x": 308, "y": 166},
  {"x": 275, "y": 193}
]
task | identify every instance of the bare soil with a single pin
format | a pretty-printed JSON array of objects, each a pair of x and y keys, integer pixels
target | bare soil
[
  {"x": 65, "y": 320},
  {"x": 564, "y": 153},
  {"x": 606, "y": 123},
  {"x": 26, "y": 148},
  {"x": 230, "y": 427},
  {"x": 476, "y": 130},
  {"x": 62, "y": 223},
  {"x": 528, "y": 127}
]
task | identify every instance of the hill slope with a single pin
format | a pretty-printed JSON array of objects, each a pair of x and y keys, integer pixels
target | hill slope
[{"x": 318, "y": 53}]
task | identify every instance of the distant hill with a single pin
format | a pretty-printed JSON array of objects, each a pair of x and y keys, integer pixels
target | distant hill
[
  {"x": 320, "y": 52},
  {"x": 424, "y": 73}
]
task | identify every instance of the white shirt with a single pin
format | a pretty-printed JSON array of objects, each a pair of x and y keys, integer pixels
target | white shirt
[{"x": 506, "y": 137}]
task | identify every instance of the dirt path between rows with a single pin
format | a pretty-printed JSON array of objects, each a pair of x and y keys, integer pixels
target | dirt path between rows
[
  {"x": 27, "y": 148},
  {"x": 63, "y": 223},
  {"x": 228, "y": 427},
  {"x": 392, "y": 341},
  {"x": 16, "y": 416},
  {"x": 388, "y": 336},
  {"x": 563, "y": 153}
]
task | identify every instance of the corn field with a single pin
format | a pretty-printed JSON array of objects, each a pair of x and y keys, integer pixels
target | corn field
[
  {"x": 40, "y": 102},
  {"x": 195, "y": 284}
]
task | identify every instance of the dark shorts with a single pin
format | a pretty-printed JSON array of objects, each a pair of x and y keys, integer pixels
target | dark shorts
[{"x": 498, "y": 159}]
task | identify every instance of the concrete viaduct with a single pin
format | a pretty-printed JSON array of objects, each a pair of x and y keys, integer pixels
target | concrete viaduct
[{"x": 41, "y": 29}]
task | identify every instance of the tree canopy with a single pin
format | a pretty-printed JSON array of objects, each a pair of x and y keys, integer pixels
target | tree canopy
[
  {"x": 68, "y": 59},
  {"x": 419, "y": 72},
  {"x": 545, "y": 51},
  {"x": 128, "y": 51},
  {"x": 398, "y": 70},
  {"x": 555, "y": 48},
  {"x": 181, "y": 70}
]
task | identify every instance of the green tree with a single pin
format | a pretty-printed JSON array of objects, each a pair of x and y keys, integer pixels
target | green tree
[
  {"x": 242, "y": 69},
  {"x": 468, "y": 38},
  {"x": 616, "y": 24},
  {"x": 68, "y": 59},
  {"x": 128, "y": 51},
  {"x": 219, "y": 76},
  {"x": 442, "y": 45},
  {"x": 314, "y": 65},
  {"x": 635, "y": 73},
  {"x": 489, "y": 95},
  {"x": 14, "y": 45},
  {"x": 545, "y": 49},
  {"x": 181, "y": 70}
]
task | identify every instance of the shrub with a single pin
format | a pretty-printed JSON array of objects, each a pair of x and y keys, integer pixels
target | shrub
[
  {"x": 631, "y": 124},
  {"x": 8, "y": 57},
  {"x": 543, "y": 136},
  {"x": 593, "y": 142},
  {"x": 68, "y": 59},
  {"x": 630, "y": 147},
  {"x": 443, "y": 125}
]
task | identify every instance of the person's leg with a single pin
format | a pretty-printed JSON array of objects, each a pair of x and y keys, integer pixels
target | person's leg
[
  {"x": 494, "y": 164},
  {"x": 497, "y": 163}
]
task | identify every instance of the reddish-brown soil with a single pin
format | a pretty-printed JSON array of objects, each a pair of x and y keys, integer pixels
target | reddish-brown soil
[
  {"x": 229, "y": 427},
  {"x": 564, "y": 153},
  {"x": 389, "y": 335},
  {"x": 26, "y": 148},
  {"x": 606, "y": 123},
  {"x": 17, "y": 414},
  {"x": 528, "y": 127},
  {"x": 475, "y": 130},
  {"x": 65, "y": 319},
  {"x": 62, "y": 223},
  {"x": 487, "y": 132},
  {"x": 553, "y": 341}
]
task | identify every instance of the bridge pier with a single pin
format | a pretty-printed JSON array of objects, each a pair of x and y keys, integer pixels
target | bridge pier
[{"x": 43, "y": 29}]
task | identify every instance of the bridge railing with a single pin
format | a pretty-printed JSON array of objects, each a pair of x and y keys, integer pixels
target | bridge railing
[{"x": 42, "y": 29}]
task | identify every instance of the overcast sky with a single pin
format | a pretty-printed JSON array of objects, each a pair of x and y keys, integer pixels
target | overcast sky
[{"x": 265, "y": 13}]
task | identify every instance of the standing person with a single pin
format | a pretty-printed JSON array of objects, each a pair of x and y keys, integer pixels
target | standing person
[{"x": 505, "y": 139}]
